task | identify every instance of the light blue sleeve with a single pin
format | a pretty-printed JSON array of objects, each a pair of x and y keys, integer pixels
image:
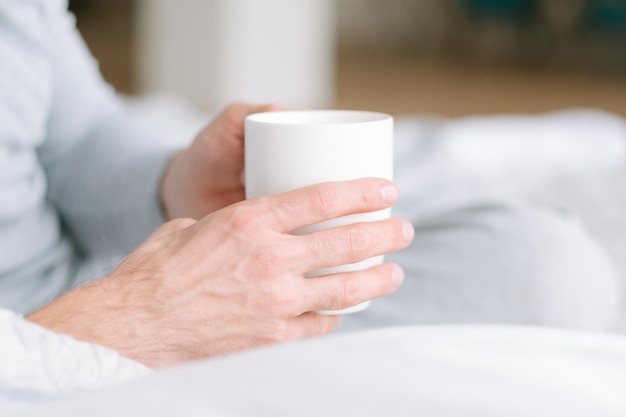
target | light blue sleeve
[{"x": 103, "y": 168}]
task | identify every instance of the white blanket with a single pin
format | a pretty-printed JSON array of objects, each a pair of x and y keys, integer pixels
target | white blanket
[
  {"x": 435, "y": 371},
  {"x": 572, "y": 159},
  {"x": 38, "y": 365}
]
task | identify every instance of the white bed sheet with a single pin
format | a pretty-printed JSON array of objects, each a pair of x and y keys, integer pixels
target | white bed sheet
[{"x": 435, "y": 371}]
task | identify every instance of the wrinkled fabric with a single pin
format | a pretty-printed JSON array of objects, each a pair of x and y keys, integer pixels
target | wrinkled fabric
[
  {"x": 37, "y": 364},
  {"x": 406, "y": 371}
]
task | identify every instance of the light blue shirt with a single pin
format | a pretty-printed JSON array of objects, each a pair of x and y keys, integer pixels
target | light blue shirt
[{"x": 78, "y": 179}]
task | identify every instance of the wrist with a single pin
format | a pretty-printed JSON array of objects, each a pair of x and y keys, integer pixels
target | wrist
[
  {"x": 76, "y": 312},
  {"x": 95, "y": 313}
]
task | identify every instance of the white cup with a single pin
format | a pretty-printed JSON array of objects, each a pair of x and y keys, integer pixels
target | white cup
[{"x": 286, "y": 150}]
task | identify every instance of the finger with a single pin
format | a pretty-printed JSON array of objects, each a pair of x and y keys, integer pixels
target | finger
[
  {"x": 237, "y": 112},
  {"x": 320, "y": 202},
  {"x": 230, "y": 122},
  {"x": 337, "y": 291},
  {"x": 353, "y": 243},
  {"x": 310, "y": 324}
]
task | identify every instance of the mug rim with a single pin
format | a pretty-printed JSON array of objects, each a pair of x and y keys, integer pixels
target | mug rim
[{"x": 318, "y": 117}]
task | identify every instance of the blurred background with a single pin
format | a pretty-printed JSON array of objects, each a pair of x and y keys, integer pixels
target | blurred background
[
  {"x": 405, "y": 57},
  {"x": 449, "y": 57}
]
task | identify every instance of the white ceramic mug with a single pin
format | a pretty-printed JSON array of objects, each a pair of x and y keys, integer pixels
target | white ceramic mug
[{"x": 286, "y": 150}]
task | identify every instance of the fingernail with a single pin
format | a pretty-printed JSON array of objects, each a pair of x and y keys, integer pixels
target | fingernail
[
  {"x": 390, "y": 193},
  {"x": 397, "y": 276},
  {"x": 408, "y": 232}
]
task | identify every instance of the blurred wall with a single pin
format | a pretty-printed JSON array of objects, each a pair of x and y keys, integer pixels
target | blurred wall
[
  {"x": 390, "y": 25},
  {"x": 581, "y": 33},
  {"x": 452, "y": 57},
  {"x": 218, "y": 51}
]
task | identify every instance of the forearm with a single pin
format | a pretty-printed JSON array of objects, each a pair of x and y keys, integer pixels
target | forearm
[{"x": 113, "y": 313}]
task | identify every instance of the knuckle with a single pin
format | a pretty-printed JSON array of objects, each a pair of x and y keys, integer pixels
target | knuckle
[
  {"x": 181, "y": 223},
  {"x": 359, "y": 241},
  {"x": 350, "y": 293},
  {"x": 327, "y": 201},
  {"x": 313, "y": 325},
  {"x": 320, "y": 245},
  {"x": 251, "y": 215},
  {"x": 324, "y": 325},
  {"x": 332, "y": 299},
  {"x": 273, "y": 301},
  {"x": 241, "y": 218},
  {"x": 343, "y": 293},
  {"x": 275, "y": 331},
  {"x": 176, "y": 224}
]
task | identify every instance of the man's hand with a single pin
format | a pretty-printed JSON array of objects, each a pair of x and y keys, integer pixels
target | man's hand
[
  {"x": 236, "y": 279},
  {"x": 209, "y": 175}
]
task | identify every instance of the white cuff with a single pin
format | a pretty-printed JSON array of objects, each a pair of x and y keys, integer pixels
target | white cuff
[{"x": 38, "y": 364}]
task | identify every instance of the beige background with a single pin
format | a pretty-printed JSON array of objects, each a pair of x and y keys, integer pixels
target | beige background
[{"x": 402, "y": 58}]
